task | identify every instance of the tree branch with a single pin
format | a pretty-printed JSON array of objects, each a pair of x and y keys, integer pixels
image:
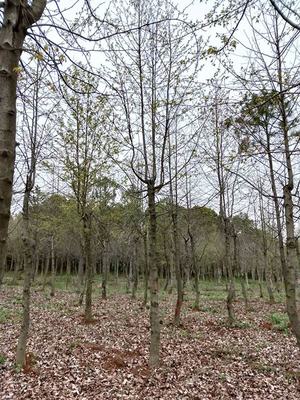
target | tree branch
[
  {"x": 34, "y": 12},
  {"x": 286, "y": 18}
]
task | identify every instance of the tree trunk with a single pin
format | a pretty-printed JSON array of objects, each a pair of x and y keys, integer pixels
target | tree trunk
[
  {"x": 52, "y": 278},
  {"x": 231, "y": 285},
  {"x": 81, "y": 272},
  {"x": 129, "y": 276},
  {"x": 290, "y": 268},
  {"x": 179, "y": 300},
  {"x": 265, "y": 252},
  {"x": 153, "y": 276},
  {"x": 260, "y": 281},
  {"x": 87, "y": 226},
  {"x": 29, "y": 265},
  {"x": 117, "y": 265},
  {"x": 8, "y": 83},
  {"x": 16, "y": 270},
  {"x": 16, "y": 19},
  {"x": 68, "y": 272},
  {"x": 269, "y": 280},
  {"x": 195, "y": 270},
  {"x": 167, "y": 268},
  {"x": 46, "y": 271},
  {"x": 135, "y": 274},
  {"x": 290, "y": 274},
  {"x": 244, "y": 293},
  {"x": 104, "y": 274},
  {"x": 146, "y": 269}
]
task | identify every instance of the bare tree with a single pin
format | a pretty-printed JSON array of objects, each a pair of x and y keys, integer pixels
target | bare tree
[
  {"x": 270, "y": 119},
  {"x": 151, "y": 72},
  {"x": 34, "y": 129}
]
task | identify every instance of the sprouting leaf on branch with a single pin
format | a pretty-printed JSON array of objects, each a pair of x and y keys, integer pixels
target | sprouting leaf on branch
[
  {"x": 17, "y": 70},
  {"x": 212, "y": 50},
  {"x": 38, "y": 56}
]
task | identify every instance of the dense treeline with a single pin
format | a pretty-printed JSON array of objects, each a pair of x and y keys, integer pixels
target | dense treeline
[{"x": 119, "y": 245}]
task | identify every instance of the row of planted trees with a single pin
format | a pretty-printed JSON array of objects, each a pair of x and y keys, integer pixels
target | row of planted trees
[
  {"x": 59, "y": 238},
  {"x": 120, "y": 245}
]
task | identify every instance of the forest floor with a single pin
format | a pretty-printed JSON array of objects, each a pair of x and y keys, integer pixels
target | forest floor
[{"x": 202, "y": 359}]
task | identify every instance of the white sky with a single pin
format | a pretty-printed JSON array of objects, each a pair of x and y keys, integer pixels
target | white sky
[{"x": 197, "y": 11}]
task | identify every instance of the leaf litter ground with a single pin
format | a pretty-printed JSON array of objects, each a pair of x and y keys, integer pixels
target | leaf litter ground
[{"x": 202, "y": 359}]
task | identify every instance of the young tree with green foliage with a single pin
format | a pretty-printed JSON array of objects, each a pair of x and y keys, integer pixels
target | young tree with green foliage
[{"x": 84, "y": 145}]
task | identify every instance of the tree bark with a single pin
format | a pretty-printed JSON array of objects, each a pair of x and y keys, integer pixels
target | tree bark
[
  {"x": 244, "y": 293},
  {"x": 129, "y": 276},
  {"x": 52, "y": 278},
  {"x": 290, "y": 274},
  {"x": 29, "y": 266},
  {"x": 179, "y": 300},
  {"x": 231, "y": 285},
  {"x": 81, "y": 272},
  {"x": 153, "y": 276},
  {"x": 290, "y": 268},
  {"x": 104, "y": 274},
  {"x": 195, "y": 270},
  {"x": 146, "y": 268},
  {"x": 87, "y": 226},
  {"x": 135, "y": 274},
  {"x": 68, "y": 272},
  {"x": 46, "y": 271},
  {"x": 265, "y": 252},
  {"x": 17, "y": 18}
]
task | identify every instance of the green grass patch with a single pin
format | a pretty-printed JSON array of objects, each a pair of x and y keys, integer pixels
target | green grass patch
[
  {"x": 4, "y": 315},
  {"x": 264, "y": 368},
  {"x": 2, "y": 359},
  {"x": 280, "y": 322}
]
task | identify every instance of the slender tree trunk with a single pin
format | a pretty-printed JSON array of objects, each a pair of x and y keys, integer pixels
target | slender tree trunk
[
  {"x": 81, "y": 272},
  {"x": 16, "y": 270},
  {"x": 154, "y": 285},
  {"x": 246, "y": 279},
  {"x": 53, "y": 272},
  {"x": 129, "y": 276},
  {"x": 187, "y": 265},
  {"x": 244, "y": 292},
  {"x": 291, "y": 276},
  {"x": 231, "y": 285},
  {"x": 117, "y": 266},
  {"x": 87, "y": 226},
  {"x": 195, "y": 270},
  {"x": 135, "y": 274},
  {"x": 290, "y": 269},
  {"x": 146, "y": 268},
  {"x": 35, "y": 269},
  {"x": 269, "y": 279},
  {"x": 172, "y": 274},
  {"x": 68, "y": 271},
  {"x": 29, "y": 265},
  {"x": 260, "y": 281},
  {"x": 265, "y": 252},
  {"x": 167, "y": 268},
  {"x": 104, "y": 274},
  {"x": 46, "y": 271},
  {"x": 22, "y": 341},
  {"x": 179, "y": 300}
]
